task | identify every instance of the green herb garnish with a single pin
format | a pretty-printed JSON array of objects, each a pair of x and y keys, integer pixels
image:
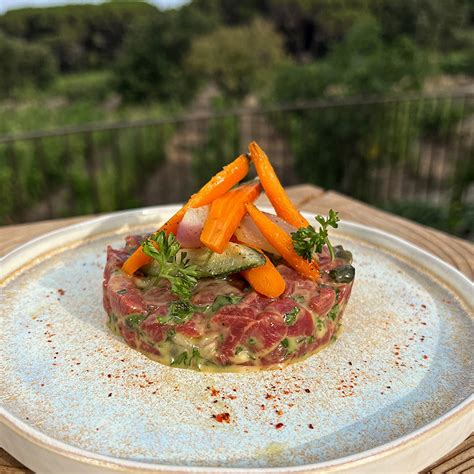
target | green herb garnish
[
  {"x": 333, "y": 313},
  {"x": 224, "y": 300},
  {"x": 179, "y": 312},
  {"x": 134, "y": 320},
  {"x": 181, "y": 359},
  {"x": 185, "y": 359},
  {"x": 177, "y": 270},
  {"x": 285, "y": 343},
  {"x": 238, "y": 350},
  {"x": 307, "y": 241},
  {"x": 251, "y": 341},
  {"x": 298, "y": 298},
  {"x": 290, "y": 317}
]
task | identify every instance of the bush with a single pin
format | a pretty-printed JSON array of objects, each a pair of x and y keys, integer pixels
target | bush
[
  {"x": 80, "y": 36},
  {"x": 150, "y": 65},
  {"x": 339, "y": 146},
  {"x": 24, "y": 64},
  {"x": 92, "y": 86},
  {"x": 240, "y": 59}
]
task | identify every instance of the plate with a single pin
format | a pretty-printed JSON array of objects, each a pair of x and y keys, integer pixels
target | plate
[{"x": 394, "y": 392}]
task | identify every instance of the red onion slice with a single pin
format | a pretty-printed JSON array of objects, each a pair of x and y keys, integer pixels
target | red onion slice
[{"x": 190, "y": 228}]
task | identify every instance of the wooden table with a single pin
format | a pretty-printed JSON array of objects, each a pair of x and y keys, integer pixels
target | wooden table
[{"x": 457, "y": 252}]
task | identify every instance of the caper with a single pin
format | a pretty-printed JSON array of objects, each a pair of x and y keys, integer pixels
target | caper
[
  {"x": 342, "y": 274},
  {"x": 343, "y": 254}
]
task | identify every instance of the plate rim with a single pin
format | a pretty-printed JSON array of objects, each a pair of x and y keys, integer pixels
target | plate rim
[{"x": 452, "y": 277}]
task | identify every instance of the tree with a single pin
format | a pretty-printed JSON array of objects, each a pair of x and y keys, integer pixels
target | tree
[
  {"x": 150, "y": 66},
  {"x": 24, "y": 64},
  {"x": 238, "y": 59}
]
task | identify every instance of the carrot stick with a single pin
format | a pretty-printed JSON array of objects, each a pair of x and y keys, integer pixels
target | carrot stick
[
  {"x": 265, "y": 279},
  {"x": 282, "y": 242},
  {"x": 225, "y": 215},
  {"x": 273, "y": 188},
  {"x": 219, "y": 184}
]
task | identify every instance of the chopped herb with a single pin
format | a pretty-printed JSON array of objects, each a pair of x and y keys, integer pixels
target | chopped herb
[
  {"x": 224, "y": 300},
  {"x": 285, "y": 343},
  {"x": 307, "y": 242},
  {"x": 333, "y": 338},
  {"x": 290, "y": 317},
  {"x": 238, "y": 350},
  {"x": 181, "y": 275},
  {"x": 122, "y": 292},
  {"x": 179, "y": 312},
  {"x": 298, "y": 298},
  {"x": 319, "y": 324},
  {"x": 251, "y": 341},
  {"x": 333, "y": 313},
  {"x": 181, "y": 359},
  {"x": 310, "y": 340},
  {"x": 134, "y": 320},
  {"x": 184, "y": 359},
  {"x": 195, "y": 356},
  {"x": 170, "y": 334}
]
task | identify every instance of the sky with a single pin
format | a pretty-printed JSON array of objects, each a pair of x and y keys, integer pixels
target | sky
[{"x": 11, "y": 4}]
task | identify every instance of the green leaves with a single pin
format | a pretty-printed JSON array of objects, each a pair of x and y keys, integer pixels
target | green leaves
[
  {"x": 290, "y": 317},
  {"x": 177, "y": 270},
  {"x": 224, "y": 300},
  {"x": 134, "y": 320},
  {"x": 185, "y": 359},
  {"x": 179, "y": 312},
  {"x": 307, "y": 241}
]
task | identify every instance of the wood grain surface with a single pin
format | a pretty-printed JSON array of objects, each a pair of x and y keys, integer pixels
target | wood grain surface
[{"x": 459, "y": 253}]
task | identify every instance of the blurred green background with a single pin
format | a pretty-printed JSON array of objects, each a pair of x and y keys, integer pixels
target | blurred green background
[{"x": 121, "y": 104}]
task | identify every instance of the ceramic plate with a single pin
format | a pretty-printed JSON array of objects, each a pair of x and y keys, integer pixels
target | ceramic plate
[{"x": 394, "y": 392}]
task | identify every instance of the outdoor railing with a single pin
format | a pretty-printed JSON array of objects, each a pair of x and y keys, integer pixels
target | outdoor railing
[{"x": 412, "y": 155}]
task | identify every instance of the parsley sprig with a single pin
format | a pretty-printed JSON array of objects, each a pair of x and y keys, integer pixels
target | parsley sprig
[
  {"x": 176, "y": 269},
  {"x": 307, "y": 241}
]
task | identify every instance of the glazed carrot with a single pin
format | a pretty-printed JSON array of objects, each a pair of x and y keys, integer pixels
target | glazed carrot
[
  {"x": 225, "y": 215},
  {"x": 265, "y": 279},
  {"x": 282, "y": 242},
  {"x": 219, "y": 184},
  {"x": 273, "y": 188}
]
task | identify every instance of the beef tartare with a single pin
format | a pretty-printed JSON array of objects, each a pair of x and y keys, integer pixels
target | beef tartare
[{"x": 223, "y": 286}]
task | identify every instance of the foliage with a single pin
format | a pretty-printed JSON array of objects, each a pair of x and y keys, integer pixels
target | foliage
[
  {"x": 24, "y": 64},
  {"x": 150, "y": 65},
  {"x": 239, "y": 59},
  {"x": 221, "y": 143},
  {"x": 92, "y": 86},
  {"x": 345, "y": 140},
  {"x": 80, "y": 36}
]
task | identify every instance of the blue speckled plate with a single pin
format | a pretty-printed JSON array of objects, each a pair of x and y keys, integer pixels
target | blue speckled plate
[{"x": 394, "y": 392}]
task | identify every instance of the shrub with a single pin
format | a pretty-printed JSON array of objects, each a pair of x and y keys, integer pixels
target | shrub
[
  {"x": 80, "y": 36},
  {"x": 24, "y": 64},
  {"x": 238, "y": 59}
]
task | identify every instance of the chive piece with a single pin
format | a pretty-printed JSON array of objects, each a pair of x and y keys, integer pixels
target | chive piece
[
  {"x": 290, "y": 317},
  {"x": 333, "y": 313},
  {"x": 134, "y": 320}
]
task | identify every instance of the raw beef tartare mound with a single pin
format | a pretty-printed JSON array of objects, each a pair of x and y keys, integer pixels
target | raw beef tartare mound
[
  {"x": 223, "y": 286},
  {"x": 226, "y": 324}
]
